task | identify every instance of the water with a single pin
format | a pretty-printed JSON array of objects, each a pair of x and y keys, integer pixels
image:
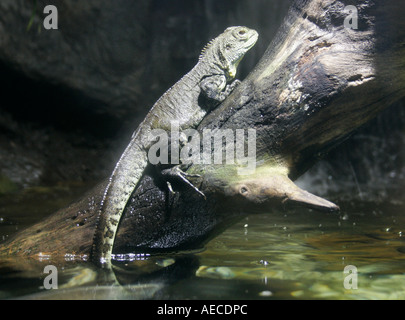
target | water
[
  {"x": 289, "y": 254},
  {"x": 303, "y": 254}
]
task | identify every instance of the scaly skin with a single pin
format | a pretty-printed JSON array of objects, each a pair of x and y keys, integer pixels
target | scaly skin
[{"x": 213, "y": 76}]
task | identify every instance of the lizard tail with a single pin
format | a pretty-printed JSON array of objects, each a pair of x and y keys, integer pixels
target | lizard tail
[{"x": 123, "y": 182}]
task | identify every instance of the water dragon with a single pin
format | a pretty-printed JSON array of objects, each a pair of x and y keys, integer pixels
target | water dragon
[{"x": 213, "y": 77}]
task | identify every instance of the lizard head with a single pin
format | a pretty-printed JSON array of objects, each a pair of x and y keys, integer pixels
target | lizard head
[
  {"x": 230, "y": 47},
  {"x": 236, "y": 42}
]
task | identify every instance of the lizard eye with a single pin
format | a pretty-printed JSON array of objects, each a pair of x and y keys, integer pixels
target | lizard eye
[{"x": 242, "y": 32}]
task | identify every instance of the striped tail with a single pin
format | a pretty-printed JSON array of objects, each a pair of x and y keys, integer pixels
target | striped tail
[{"x": 123, "y": 181}]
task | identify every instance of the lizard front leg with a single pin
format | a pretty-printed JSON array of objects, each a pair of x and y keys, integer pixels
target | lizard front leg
[{"x": 216, "y": 87}]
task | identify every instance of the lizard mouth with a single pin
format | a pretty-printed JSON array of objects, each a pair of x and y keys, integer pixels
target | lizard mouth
[{"x": 250, "y": 42}]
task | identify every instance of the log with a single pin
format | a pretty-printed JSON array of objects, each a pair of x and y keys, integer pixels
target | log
[{"x": 317, "y": 82}]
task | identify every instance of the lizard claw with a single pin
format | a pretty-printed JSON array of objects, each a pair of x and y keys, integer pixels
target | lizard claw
[
  {"x": 178, "y": 173},
  {"x": 169, "y": 186}
]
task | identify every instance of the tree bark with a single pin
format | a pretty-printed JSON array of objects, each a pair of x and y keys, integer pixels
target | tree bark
[{"x": 316, "y": 83}]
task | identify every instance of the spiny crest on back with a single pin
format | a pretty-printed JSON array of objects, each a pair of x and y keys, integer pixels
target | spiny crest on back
[
  {"x": 210, "y": 44},
  {"x": 206, "y": 47}
]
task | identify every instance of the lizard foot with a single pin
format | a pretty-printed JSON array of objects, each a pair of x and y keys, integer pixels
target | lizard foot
[{"x": 176, "y": 172}]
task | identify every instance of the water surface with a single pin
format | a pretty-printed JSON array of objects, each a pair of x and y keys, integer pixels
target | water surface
[{"x": 286, "y": 254}]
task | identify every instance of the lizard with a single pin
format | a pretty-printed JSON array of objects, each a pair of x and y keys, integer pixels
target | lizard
[{"x": 213, "y": 77}]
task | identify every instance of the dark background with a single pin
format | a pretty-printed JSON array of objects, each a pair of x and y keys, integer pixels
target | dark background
[{"x": 72, "y": 97}]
